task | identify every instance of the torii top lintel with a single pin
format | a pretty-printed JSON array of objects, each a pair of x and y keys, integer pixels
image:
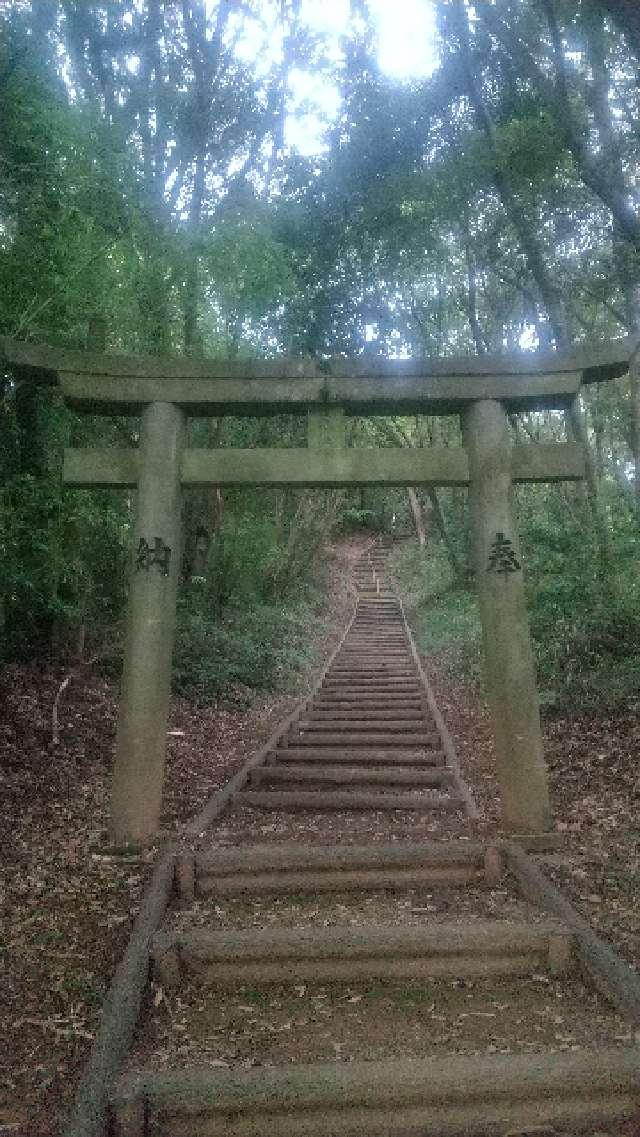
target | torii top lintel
[{"x": 364, "y": 385}]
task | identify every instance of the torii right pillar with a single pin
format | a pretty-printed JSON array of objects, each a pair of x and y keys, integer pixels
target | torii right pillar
[{"x": 509, "y": 663}]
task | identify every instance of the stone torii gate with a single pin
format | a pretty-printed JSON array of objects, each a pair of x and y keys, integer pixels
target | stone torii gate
[{"x": 483, "y": 391}]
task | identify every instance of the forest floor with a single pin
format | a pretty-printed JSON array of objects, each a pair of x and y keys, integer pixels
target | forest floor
[{"x": 68, "y": 906}]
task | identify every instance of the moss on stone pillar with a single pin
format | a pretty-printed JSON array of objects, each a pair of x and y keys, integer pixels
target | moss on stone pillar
[
  {"x": 509, "y": 662},
  {"x": 146, "y": 681}
]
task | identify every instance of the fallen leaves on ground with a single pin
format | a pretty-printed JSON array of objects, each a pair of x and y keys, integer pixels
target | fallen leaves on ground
[{"x": 67, "y": 904}]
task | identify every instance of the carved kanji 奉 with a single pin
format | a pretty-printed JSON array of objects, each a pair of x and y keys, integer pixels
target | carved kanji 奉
[{"x": 502, "y": 557}]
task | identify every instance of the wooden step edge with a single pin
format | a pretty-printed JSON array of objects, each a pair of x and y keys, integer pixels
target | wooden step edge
[
  {"x": 388, "y": 702},
  {"x": 319, "y": 800},
  {"x": 411, "y": 756},
  {"x": 368, "y": 699},
  {"x": 290, "y": 867},
  {"x": 292, "y": 855},
  {"x": 351, "y": 776},
  {"x": 321, "y": 955},
  {"x": 361, "y": 739},
  {"x": 440, "y": 1095},
  {"x": 369, "y": 726},
  {"x": 392, "y": 684},
  {"x": 280, "y": 882}
]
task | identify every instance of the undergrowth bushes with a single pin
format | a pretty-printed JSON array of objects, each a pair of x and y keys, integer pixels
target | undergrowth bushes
[
  {"x": 246, "y": 648},
  {"x": 245, "y": 625},
  {"x": 584, "y": 608}
]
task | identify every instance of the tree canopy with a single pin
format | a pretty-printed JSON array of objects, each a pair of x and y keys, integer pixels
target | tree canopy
[{"x": 222, "y": 178}]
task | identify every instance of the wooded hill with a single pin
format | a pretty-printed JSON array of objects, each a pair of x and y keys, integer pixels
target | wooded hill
[{"x": 152, "y": 201}]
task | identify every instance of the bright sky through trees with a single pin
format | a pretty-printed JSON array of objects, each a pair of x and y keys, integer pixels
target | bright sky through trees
[
  {"x": 406, "y": 50},
  {"x": 406, "y": 37}
]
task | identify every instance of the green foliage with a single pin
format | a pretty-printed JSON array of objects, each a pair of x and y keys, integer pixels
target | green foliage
[
  {"x": 257, "y": 646},
  {"x": 443, "y": 616},
  {"x": 147, "y": 189},
  {"x": 245, "y": 625},
  {"x": 585, "y": 619},
  {"x": 352, "y": 519}
]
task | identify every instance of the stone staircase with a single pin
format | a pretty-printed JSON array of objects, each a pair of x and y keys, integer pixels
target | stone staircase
[
  {"x": 320, "y": 986},
  {"x": 367, "y": 740}
]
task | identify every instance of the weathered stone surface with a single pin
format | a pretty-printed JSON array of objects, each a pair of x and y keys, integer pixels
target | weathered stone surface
[
  {"x": 446, "y": 1095},
  {"x": 508, "y": 655}
]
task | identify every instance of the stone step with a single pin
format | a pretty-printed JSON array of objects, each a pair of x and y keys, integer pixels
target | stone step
[
  {"x": 374, "y": 663},
  {"x": 285, "y": 800},
  {"x": 360, "y": 739},
  {"x": 380, "y": 648},
  {"x": 296, "y": 868},
  {"x": 391, "y": 651},
  {"x": 443, "y": 1096},
  {"x": 327, "y": 754},
  {"x": 383, "y": 601},
  {"x": 386, "y": 694},
  {"x": 371, "y": 643},
  {"x": 390, "y": 683},
  {"x": 258, "y": 956},
  {"x": 346, "y": 775},
  {"x": 381, "y": 679},
  {"x": 380, "y": 604},
  {"x": 376, "y": 612},
  {"x": 396, "y": 725},
  {"x": 377, "y": 627},
  {"x": 365, "y": 668},
  {"x": 370, "y": 698},
  {"x": 409, "y": 673},
  {"x": 390, "y": 700},
  {"x": 374, "y": 635},
  {"x": 375, "y": 713},
  {"x": 378, "y": 624}
]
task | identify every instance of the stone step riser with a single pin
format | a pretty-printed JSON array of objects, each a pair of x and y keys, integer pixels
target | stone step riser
[
  {"x": 374, "y": 657},
  {"x": 390, "y": 684},
  {"x": 345, "y": 776},
  {"x": 321, "y": 800},
  {"x": 395, "y": 726},
  {"x": 365, "y": 670},
  {"x": 349, "y": 880},
  {"x": 375, "y": 661},
  {"x": 229, "y": 975},
  {"x": 341, "y": 954},
  {"x": 374, "y": 687},
  {"x": 376, "y": 714},
  {"x": 443, "y": 1096},
  {"x": 371, "y": 644},
  {"x": 296, "y": 857},
  {"x": 405, "y": 740},
  {"x": 386, "y": 651},
  {"x": 331, "y": 755},
  {"x": 388, "y": 701}
]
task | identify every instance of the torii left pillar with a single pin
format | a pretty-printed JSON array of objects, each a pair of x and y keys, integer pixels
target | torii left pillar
[{"x": 146, "y": 681}]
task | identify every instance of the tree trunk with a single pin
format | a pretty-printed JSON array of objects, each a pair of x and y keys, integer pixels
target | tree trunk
[
  {"x": 417, "y": 513},
  {"x": 550, "y": 294}
]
